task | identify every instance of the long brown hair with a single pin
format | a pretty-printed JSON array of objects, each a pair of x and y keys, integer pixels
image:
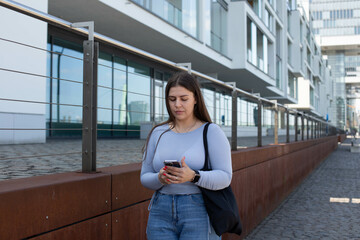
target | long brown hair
[{"x": 189, "y": 82}]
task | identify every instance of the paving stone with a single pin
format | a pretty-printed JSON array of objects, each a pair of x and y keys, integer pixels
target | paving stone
[
  {"x": 27, "y": 160},
  {"x": 307, "y": 213}
]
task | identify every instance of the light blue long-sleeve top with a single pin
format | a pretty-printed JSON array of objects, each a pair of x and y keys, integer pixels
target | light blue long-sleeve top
[{"x": 174, "y": 146}]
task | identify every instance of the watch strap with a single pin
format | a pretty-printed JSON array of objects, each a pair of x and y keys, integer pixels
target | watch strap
[{"x": 197, "y": 177}]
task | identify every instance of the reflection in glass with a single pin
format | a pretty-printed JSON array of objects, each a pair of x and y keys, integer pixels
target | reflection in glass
[
  {"x": 159, "y": 98},
  {"x": 138, "y": 104},
  {"x": 139, "y": 109},
  {"x": 209, "y": 98},
  {"x": 218, "y": 26},
  {"x": 183, "y": 14},
  {"x": 66, "y": 66},
  {"x": 120, "y": 89}
]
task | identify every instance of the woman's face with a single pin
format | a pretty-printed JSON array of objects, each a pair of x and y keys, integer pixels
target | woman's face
[{"x": 182, "y": 102}]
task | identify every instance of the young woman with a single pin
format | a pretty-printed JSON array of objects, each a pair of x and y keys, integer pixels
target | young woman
[{"x": 177, "y": 209}]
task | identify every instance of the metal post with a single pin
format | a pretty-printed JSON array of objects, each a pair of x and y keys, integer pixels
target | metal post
[
  {"x": 296, "y": 127},
  {"x": 320, "y": 129},
  {"x": 186, "y": 65},
  {"x": 234, "y": 118},
  {"x": 259, "y": 135},
  {"x": 276, "y": 122},
  {"x": 94, "y": 104},
  {"x": 89, "y": 128},
  {"x": 312, "y": 129},
  {"x": 287, "y": 126},
  {"x": 307, "y": 128},
  {"x": 302, "y": 127}
]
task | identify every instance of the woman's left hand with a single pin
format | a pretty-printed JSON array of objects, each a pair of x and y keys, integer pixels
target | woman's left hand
[{"x": 180, "y": 175}]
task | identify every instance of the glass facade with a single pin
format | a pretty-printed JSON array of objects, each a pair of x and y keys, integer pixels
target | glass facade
[
  {"x": 268, "y": 19},
  {"x": 129, "y": 94},
  {"x": 257, "y": 6},
  {"x": 335, "y": 19},
  {"x": 184, "y": 14},
  {"x": 340, "y": 18},
  {"x": 279, "y": 67},
  {"x": 257, "y": 47},
  {"x": 247, "y": 113},
  {"x": 337, "y": 62},
  {"x": 292, "y": 86},
  {"x": 123, "y": 90},
  {"x": 219, "y": 26}
]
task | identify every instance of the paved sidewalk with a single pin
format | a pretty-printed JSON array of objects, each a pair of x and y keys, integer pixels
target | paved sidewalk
[
  {"x": 325, "y": 206},
  {"x": 64, "y": 155}
]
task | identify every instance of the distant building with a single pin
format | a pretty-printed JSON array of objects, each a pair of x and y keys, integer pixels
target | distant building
[{"x": 336, "y": 25}]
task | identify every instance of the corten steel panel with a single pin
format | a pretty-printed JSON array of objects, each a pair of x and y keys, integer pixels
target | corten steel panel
[
  {"x": 98, "y": 228},
  {"x": 130, "y": 222},
  {"x": 260, "y": 188},
  {"x": 252, "y": 156},
  {"x": 31, "y": 206},
  {"x": 126, "y": 185}
]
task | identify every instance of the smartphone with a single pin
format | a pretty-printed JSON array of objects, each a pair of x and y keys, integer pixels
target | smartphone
[{"x": 172, "y": 163}]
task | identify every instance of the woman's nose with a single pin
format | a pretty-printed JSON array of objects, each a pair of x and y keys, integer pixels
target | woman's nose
[{"x": 177, "y": 103}]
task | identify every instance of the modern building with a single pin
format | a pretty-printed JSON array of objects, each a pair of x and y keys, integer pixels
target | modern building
[
  {"x": 265, "y": 46},
  {"x": 314, "y": 78},
  {"x": 336, "y": 25}
]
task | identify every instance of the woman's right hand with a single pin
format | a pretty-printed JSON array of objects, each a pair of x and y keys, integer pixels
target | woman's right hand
[{"x": 162, "y": 176}]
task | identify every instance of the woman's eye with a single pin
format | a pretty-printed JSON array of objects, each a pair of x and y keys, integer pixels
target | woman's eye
[
  {"x": 172, "y": 99},
  {"x": 184, "y": 99}
]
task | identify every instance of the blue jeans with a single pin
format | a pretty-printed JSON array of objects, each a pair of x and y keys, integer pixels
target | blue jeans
[{"x": 174, "y": 217}]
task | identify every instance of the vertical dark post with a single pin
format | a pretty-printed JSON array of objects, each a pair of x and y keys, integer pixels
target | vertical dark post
[
  {"x": 259, "y": 124},
  {"x": 287, "y": 126},
  {"x": 302, "y": 127},
  {"x": 152, "y": 96},
  {"x": 234, "y": 119},
  {"x": 312, "y": 129},
  {"x": 307, "y": 128},
  {"x": 89, "y": 107},
  {"x": 296, "y": 127},
  {"x": 276, "y": 127},
  {"x": 320, "y": 129},
  {"x": 51, "y": 86},
  {"x": 94, "y": 105},
  {"x": 316, "y": 130}
]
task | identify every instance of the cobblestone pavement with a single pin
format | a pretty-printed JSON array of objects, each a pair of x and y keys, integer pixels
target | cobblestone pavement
[
  {"x": 325, "y": 206},
  {"x": 56, "y": 156}
]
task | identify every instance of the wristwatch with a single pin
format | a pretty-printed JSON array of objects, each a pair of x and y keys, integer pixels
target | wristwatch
[{"x": 197, "y": 177}]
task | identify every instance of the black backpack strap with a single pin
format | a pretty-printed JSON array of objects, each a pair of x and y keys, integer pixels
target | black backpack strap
[{"x": 206, "y": 164}]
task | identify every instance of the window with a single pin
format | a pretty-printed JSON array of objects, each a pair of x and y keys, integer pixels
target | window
[
  {"x": 67, "y": 65},
  {"x": 257, "y": 6},
  {"x": 357, "y": 30},
  {"x": 317, "y": 15},
  {"x": 219, "y": 25},
  {"x": 257, "y": 47},
  {"x": 292, "y": 85},
  {"x": 268, "y": 19},
  {"x": 139, "y": 93},
  {"x": 124, "y": 89},
  {"x": 341, "y": 14},
  {"x": 183, "y": 14},
  {"x": 312, "y": 97},
  {"x": 289, "y": 53}
]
